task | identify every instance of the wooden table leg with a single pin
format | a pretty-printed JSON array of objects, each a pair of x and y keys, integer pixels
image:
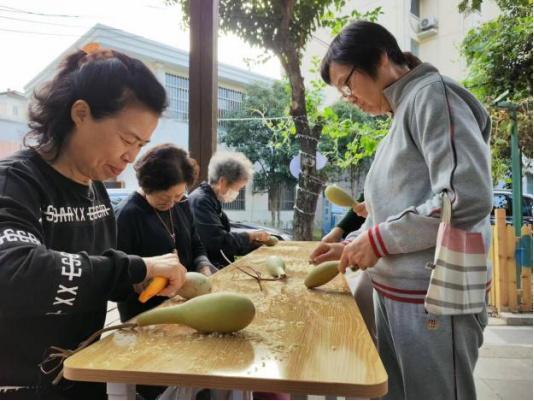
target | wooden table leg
[{"x": 120, "y": 391}]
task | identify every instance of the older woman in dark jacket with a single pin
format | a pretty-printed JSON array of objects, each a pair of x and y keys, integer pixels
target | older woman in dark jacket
[{"x": 228, "y": 173}]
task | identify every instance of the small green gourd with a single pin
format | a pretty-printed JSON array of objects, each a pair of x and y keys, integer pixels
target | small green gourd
[
  {"x": 322, "y": 274},
  {"x": 272, "y": 241},
  {"x": 338, "y": 196},
  {"x": 195, "y": 284}
]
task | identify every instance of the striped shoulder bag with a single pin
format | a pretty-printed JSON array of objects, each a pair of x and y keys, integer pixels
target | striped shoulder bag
[{"x": 459, "y": 272}]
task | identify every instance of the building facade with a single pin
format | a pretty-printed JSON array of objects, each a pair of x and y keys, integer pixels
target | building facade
[
  {"x": 13, "y": 121},
  {"x": 171, "y": 66},
  {"x": 431, "y": 29}
]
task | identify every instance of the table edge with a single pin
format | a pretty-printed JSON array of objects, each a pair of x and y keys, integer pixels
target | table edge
[{"x": 222, "y": 382}]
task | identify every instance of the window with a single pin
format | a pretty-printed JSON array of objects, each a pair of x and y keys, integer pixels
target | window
[
  {"x": 178, "y": 92},
  {"x": 15, "y": 111},
  {"x": 527, "y": 206},
  {"x": 415, "y": 7},
  {"x": 229, "y": 100},
  {"x": 287, "y": 197},
  {"x": 238, "y": 204}
]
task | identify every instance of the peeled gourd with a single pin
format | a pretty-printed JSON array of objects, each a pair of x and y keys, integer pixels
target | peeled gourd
[
  {"x": 276, "y": 266},
  {"x": 338, "y": 196},
  {"x": 195, "y": 284},
  {"x": 322, "y": 274},
  {"x": 272, "y": 241},
  {"x": 220, "y": 312}
]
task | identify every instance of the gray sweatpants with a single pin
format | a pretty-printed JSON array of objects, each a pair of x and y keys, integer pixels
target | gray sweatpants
[{"x": 427, "y": 356}]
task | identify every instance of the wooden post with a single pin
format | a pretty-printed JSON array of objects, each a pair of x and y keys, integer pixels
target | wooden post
[
  {"x": 501, "y": 293},
  {"x": 526, "y": 269},
  {"x": 491, "y": 257},
  {"x": 526, "y": 287},
  {"x": 511, "y": 268},
  {"x": 203, "y": 82}
]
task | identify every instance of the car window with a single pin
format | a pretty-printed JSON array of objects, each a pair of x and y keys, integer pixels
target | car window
[
  {"x": 503, "y": 201},
  {"x": 527, "y": 206}
]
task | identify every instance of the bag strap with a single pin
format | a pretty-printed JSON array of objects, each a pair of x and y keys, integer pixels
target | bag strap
[
  {"x": 446, "y": 211},
  {"x": 446, "y": 208}
]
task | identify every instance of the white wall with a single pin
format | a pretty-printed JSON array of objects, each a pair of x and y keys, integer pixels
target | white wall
[{"x": 441, "y": 50}]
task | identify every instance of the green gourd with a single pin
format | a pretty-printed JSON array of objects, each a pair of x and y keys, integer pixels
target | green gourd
[
  {"x": 220, "y": 312},
  {"x": 195, "y": 284},
  {"x": 272, "y": 241},
  {"x": 338, "y": 196},
  {"x": 276, "y": 266},
  {"x": 322, "y": 274}
]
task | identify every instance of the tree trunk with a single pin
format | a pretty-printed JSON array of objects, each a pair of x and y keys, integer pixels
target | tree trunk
[
  {"x": 274, "y": 202},
  {"x": 271, "y": 206},
  {"x": 309, "y": 185}
]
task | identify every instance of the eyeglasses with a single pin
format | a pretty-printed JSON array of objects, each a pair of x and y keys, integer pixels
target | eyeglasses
[{"x": 345, "y": 89}]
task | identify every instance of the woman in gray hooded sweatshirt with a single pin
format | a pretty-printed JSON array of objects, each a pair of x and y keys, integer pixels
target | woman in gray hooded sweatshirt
[{"x": 438, "y": 141}]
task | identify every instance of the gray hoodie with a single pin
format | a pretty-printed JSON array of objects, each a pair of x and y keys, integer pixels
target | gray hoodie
[{"x": 412, "y": 166}]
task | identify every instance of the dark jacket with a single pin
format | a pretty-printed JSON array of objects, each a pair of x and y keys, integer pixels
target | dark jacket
[
  {"x": 57, "y": 267},
  {"x": 141, "y": 232},
  {"x": 351, "y": 221},
  {"x": 213, "y": 227}
]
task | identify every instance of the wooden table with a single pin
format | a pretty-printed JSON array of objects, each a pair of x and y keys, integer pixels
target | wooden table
[{"x": 301, "y": 341}]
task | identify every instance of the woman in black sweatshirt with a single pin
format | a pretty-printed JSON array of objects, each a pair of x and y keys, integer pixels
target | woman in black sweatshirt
[{"x": 58, "y": 265}]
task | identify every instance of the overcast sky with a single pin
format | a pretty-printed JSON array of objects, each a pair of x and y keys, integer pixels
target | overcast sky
[{"x": 34, "y": 32}]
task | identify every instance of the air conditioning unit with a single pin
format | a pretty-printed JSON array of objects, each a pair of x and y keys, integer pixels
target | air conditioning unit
[{"x": 428, "y": 23}]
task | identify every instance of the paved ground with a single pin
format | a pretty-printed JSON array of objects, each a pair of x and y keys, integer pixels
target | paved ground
[{"x": 504, "y": 370}]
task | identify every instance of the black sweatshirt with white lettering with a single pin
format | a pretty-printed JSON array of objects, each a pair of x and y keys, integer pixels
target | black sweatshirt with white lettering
[{"x": 58, "y": 267}]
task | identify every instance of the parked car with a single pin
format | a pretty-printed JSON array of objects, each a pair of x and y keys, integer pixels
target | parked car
[
  {"x": 116, "y": 195},
  {"x": 239, "y": 226},
  {"x": 502, "y": 199}
]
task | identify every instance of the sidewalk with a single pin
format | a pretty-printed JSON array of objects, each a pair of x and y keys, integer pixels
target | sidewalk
[{"x": 504, "y": 368}]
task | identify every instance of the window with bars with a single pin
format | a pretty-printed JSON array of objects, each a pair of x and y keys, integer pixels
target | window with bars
[
  {"x": 287, "y": 197},
  {"x": 177, "y": 87},
  {"x": 238, "y": 204},
  {"x": 229, "y": 100},
  {"x": 178, "y": 93}
]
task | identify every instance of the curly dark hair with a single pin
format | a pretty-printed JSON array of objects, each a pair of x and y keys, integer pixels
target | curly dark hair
[
  {"x": 164, "y": 166},
  {"x": 106, "y": 79}
]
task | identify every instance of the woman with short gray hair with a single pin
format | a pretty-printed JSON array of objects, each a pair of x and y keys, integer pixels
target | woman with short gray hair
[
  {"x": 234, "y": 167},
  {"x": 228, "y": 173}
]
